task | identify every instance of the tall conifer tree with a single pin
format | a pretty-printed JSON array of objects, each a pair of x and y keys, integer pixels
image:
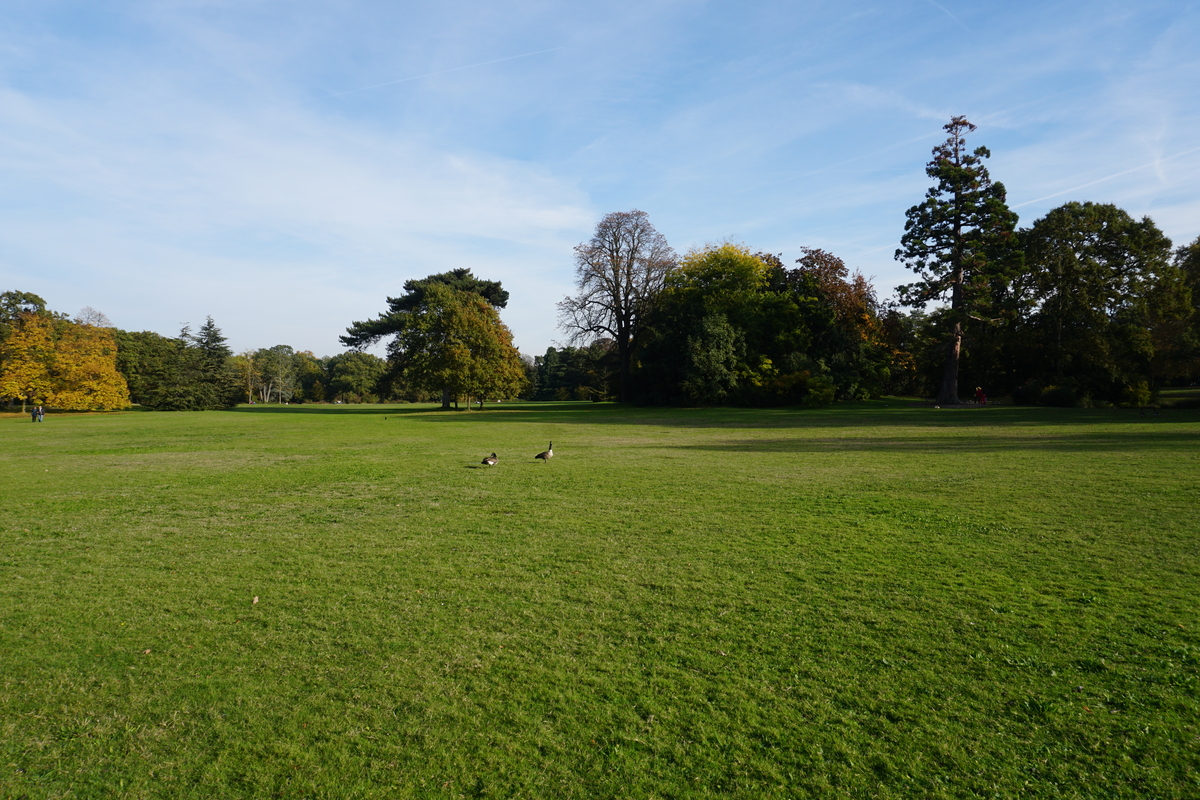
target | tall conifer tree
[{"x": 961, "y": 243}]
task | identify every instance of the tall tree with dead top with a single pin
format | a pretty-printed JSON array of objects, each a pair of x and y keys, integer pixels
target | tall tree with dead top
[
  {"x": 961, "y": 243},
  {"x": 620, "y": 272}
]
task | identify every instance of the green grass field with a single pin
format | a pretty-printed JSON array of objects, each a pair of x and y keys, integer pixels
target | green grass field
[{"x": 862, "y": 601}]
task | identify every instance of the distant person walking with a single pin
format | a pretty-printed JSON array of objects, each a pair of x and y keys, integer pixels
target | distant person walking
[
  {"x": 980, "y": 397},
  {"x": 33, "y": 412},
  {"x": 41, "y": 412}
]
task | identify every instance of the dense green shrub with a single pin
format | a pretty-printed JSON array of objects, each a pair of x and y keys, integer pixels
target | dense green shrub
[
  {"x": 1059, "y": 397},
  {"x": 820, "y": 392},
  {"x": 1136, "y": 395}
]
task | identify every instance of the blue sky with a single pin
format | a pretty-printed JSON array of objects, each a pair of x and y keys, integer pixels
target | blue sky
[{"x": 285, "y": 166}]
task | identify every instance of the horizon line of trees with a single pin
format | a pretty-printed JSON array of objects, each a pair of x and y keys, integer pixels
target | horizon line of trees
[
  {"x": 87, "y": 364},
  {"x": 1085, "y": 306}
]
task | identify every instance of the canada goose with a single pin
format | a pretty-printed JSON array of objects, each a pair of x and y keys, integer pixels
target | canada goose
[
  {"x": 490, "y": 461},
  {"x": 546, "y": 454}
]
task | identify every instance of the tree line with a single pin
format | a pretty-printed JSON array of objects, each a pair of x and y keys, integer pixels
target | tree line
[
  {"x": 85, "y": 363},
  {"x": 448, "y": 342},
  {"x": 1085, "y": 306}
]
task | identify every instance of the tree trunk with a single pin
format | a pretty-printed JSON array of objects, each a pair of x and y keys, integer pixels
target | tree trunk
[
  {"x": 623, "y": 353},
  {"x": 445, "y": 398},
  {"x": 1058, "y": 347},
  {"x": 948, "y": 395}
]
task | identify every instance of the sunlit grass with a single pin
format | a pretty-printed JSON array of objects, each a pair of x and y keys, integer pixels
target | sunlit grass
[{"x": 864, "y": 601}]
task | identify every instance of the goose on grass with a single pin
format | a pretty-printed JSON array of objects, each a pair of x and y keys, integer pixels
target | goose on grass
[
  {"x": 490, "y": 461},
  {"x": 546, "y": 454}
]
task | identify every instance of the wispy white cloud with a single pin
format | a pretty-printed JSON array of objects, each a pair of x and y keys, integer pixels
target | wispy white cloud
[
  {"x": 161, "y": 162},
  {"x": 445, "y": 72},
  {"x": 272, "y": 197}
]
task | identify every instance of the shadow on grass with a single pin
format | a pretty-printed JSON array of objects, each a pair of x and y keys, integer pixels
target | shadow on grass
[
  {"x": 433, "y": 410},
  {"x": 894, "y": 413},
  {"x": 1082, "y": 441},
  {"x": 344, "y": 410},
  {"x": 868, "y": 414}
]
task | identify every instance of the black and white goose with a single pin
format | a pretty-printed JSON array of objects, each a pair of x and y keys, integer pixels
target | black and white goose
[
  {"x": 490, "y": 461},
  {"x": 546, "y": 454}
]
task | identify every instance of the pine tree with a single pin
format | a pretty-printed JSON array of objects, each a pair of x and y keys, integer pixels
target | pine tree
[
  {"x": 960, "y": 241},
  {"x": 216, "y": 386}
]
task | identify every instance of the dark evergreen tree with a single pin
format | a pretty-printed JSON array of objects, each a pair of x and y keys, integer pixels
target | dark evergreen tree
[
  {"x": 216, "y": 385},
  {"x": 961, "y": 243},
  {"x": 188, "y": 373},
  {"x": 577, "y": 373},
  {"x": 1187, "y": 261},
  {"x": 150, "y": 363}
]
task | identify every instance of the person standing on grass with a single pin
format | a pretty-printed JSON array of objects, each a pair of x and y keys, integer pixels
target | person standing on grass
[
  {"x": 41, "y": 412},
  {"x": 979, "y": 396},
  {"x": 33, "y": 413}
]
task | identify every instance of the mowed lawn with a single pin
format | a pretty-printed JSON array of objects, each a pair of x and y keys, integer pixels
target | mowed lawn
[{"x": 864, "y": 601}]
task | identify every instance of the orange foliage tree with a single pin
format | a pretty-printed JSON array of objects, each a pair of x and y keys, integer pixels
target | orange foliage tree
[
  {"x": 25, "y": 357},
  {"x": 853, "y": 301},
  {"x": 85, "y": 370},
  {"x": 48, "y": 361}
]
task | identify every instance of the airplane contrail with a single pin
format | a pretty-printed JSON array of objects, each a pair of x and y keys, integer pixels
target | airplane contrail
[
  {"x": 951, "y": 16},
  {"x": 1107, "y": 178},
  {"x": 871, "y": 154},
  {"x": 443, "y": 72}
]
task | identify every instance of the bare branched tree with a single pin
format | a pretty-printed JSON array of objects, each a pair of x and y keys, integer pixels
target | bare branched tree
[
  {"x": 90, "y": 316},
  {"x": 620, "y": 273}
]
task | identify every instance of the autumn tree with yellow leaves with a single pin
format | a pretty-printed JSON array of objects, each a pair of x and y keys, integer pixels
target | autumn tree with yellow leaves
[
  {"x": 25, "y": 358},
  {"x": 48, "y": 360},
  {"x": 85, "y": 375}
]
